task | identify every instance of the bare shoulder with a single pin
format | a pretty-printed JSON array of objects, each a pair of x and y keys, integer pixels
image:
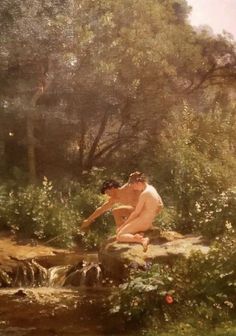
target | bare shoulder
[
  {"x": 125, "y": 187},
  {"x": 150, "y": 191}
]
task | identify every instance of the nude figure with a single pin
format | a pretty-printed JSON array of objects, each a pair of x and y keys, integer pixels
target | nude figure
[
  {"x": 141, "y": 219},
  {"x": 121, "y": 199}
]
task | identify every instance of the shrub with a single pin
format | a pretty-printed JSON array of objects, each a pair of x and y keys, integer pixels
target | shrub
[
  {"x": 4, "y": 198},
  {"x": 202, "y": 287},
  {"x": 44, "y": 212},
  {"x": 38, "y": 212},
  {"x": 194, "y": 163},
  {"x": 213, "y": 216}
]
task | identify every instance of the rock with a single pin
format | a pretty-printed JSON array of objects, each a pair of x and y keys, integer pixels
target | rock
[
  {"x": 119, "y": 258},
  {"x": 84, "y": 274},
  {"x": 20, "y": 293}
]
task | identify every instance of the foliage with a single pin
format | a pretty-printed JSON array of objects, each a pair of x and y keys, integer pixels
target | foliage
[
  {"x": 213, "y": 217},
  {"x": 37, "y": 212},
  {"x": 93, "y": 76},
  {"x": 194, "y": 164},
  {"x": 167, "y": 219},
  {"x": 194, "y": 328},
  {"x": 85, "y": 202},
  {"x": 202, "y": 288},
  {"x": 44, "y": 212}
]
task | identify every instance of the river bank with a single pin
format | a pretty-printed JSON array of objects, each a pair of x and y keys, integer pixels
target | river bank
[
  {"x": 66, "y": 292},
  {"x": 50, "y": 310}
]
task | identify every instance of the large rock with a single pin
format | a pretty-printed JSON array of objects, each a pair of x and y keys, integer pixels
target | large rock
[{"x": 118, "y": 259}]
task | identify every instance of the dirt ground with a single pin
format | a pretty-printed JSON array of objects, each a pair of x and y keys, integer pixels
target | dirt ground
[{"x": 12, "y": 248}]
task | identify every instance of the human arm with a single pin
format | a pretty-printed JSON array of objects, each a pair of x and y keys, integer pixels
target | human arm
[{"x": 98, "y": 212}]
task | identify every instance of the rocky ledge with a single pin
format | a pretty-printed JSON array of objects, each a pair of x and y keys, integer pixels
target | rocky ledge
[{"x": 118, "y": 259}]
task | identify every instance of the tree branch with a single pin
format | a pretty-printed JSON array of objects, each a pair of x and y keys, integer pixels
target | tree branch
[{"x": 97, "y": 139}]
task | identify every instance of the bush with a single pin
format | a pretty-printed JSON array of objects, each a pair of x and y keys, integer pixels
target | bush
[
  {"x": 194, "y": 328},
  {"x": 39, "y": 212},
  {"x": 44, "y": 212},
  {"x": 213, "y": 216},
  {"x": 85, "y": 202},
  {"x": 194, "y": 164},
  {"x": 202, "y": 288},
  {"x": 4, "y": 196},
  {"x": 167, "y": 219}
]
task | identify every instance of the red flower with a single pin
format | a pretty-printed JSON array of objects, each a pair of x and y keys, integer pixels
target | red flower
[{"x": 169, "y": 299}]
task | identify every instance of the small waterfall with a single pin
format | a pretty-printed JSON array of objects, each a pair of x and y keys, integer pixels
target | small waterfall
[
  {"x": 90, "y": 275},
  {"x": 57, "y": 275},
  {"x": 41, "y": 274},
  {"x": 5, "y": 279},
  {"x": 29, "y": 273}
]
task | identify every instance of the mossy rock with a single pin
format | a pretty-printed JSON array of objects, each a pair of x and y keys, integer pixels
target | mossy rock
[{"x": 118, "y": 259}]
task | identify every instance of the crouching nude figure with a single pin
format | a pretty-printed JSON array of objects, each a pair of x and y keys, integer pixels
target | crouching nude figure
[
  {"x": 122, "y": 200},
  {"x": 141, "y": 219}
]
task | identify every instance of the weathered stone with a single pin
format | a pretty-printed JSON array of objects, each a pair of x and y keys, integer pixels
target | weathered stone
[
  {"x": 119, "y": 258},
  {"x": 20, "y": 293},
  {"x": 84, "y": 275}
]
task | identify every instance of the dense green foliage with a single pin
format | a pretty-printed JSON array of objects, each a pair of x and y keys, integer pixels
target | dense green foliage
[
  {"x": 195, "y": 329},
  {"x": 44, "y": 213},
  {"x": 201, "y": 290},
  {"x": 194, "y": 164}
]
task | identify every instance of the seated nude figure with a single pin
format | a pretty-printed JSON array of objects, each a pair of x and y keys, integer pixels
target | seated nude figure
[
  {"x": 121, "y": 199},
  {"x": 141, "y": 219}
]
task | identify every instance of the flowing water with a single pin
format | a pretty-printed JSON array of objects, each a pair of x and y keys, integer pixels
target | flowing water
[{"x": 56, "y": 296}]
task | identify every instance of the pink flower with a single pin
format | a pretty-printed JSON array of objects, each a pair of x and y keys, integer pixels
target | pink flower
[{"x": 169, "y": 299}]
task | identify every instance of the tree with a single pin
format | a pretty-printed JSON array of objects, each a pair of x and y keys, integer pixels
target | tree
[
  {"x": 101, "y": 74},
  {"x": 33, "y": 39}
]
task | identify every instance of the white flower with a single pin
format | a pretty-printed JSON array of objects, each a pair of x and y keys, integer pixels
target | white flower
[
  {"x": 198, "y": 207},
  {"x": 228, "y": 225},
  {"x": 229, "y": 304}
]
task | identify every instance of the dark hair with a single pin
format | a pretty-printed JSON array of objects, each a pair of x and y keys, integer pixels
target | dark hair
[
  {"x": 109, "y": 184},
  {"x": 137, "y": 177}
]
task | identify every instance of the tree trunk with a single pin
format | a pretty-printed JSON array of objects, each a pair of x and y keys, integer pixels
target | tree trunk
[
  {"x": 82, "y": 143},
  {"x": 2, "y": 155},
  {"x": 2, "y": 146},
  {"x": 43, "y": 86},
  {"x": 91, "y": 155},
  {"x": 31, "y": 147}
]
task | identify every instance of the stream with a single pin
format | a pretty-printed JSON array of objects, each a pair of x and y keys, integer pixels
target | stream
[{"x": 61, "y": 295}]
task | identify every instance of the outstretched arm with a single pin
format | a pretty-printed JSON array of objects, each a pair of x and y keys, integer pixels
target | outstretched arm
[{"x": 98, "y": 212}]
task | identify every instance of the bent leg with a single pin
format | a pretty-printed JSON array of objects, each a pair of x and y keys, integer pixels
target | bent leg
[
  {"x": 121, "y": 214},
  {"x": 129, "y": 233}
]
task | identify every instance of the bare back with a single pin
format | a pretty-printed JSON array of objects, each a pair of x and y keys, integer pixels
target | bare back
[
  {"x": 150, "y": 201},
  {"x": 126, "y": 196}
]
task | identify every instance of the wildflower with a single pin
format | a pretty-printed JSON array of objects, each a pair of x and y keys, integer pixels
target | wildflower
[
  {"x": 228, "y": 225},
  {"x": 229, "y": 304},
  {"x": 198, "y": 207},
  {"x": 169, "y": 299}
]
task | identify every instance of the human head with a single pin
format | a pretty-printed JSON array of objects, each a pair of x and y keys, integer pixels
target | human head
[
  {"x": 137, "y": 180},
  {"x": 108, "y": 185}
]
